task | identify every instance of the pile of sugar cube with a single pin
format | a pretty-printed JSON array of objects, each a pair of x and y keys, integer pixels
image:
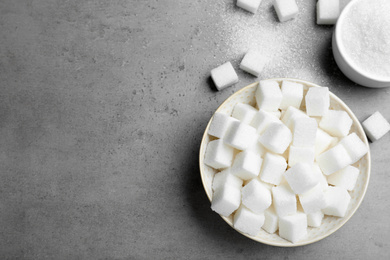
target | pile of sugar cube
[{"x": 280, "y": 167}]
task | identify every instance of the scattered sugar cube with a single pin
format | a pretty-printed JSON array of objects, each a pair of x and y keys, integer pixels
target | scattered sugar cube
[
  {"x": 320, "y": 176},
  {"x": 240, "y": 135},
  {"x": 268, "y": 95},
  {"x": 286, "y": 9},
  {"x": 315, "y": 219},
  {"x": 247, "y": 221},
  {"x": 262, "y": 120},
  {"x": 317, "y": 101},
  {"x": 244, "y": 112},
  {"x": 336, "y": 123},
  {"x": 249, "y": 5},
  {"x": 256, "y": 196},
  {"x": 273, "y": 168},
  {"x": 284, "y": 200},
  {"x": 305, "y": 132},
  {"x": 301, "y": 178},
  {"x": 300, "y": 155},
  {"x": 292, "y": 94},
  {"x": 276, "y": 138},
  {"x": 334, "y": 159},
  {"x": 271, "y": 221},
  {"x": 376, "y": 126},
  {"x": 246, "y": 165},
  {"x": 224, "y": 76},
  {"x": 328, "y": 11},
  {"x": 293, "y": 227},
  {"x": 226, "y": 199},
  {"x": 323, "y": 141},
  {"x": 355, "y": 147},
  {"x": 225, "y": 177},
  {"x": 218, "y": 155},
  {"x": 291, "y": 115},
  {"x": 313, "y": 200},
  {"x": 337, "y": 201},
  {"x": 253, "y": 62},
  {"x": 345, "y": 178},
  {"x": 220, "y": 124}
]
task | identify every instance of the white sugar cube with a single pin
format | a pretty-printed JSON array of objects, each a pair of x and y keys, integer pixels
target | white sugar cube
[
  {"x": 336, "y": 123},
  {"x": 271, "y": 221},
  {"x": 291, "y": 116},
  {"x": 315, "y": 219},
  {"x": 313, "y": 200},
  {"x": 294, "y": 227},
  {"x": 300, "y": 155},
  {"x": 292, "y": 94},
  {"x": 337, "y": 201},
  {"x": 305, "y": 132},
  {"x": 317, "y": 101},
  {"x": 323, "y": 141},
  {"x": 220, "y": 124},
  {"x": 345, "y": 178},
  {"x": 246, "y": 165},
  {"x": 286, "y": 9},
  {"x": 355, "y": 147},
  {"x": 262, "y": 120},
  {"x": 334, "y": 159},
  {"x": 225, "y": 177},
  {"x": 218, "y": 155},
  {"x": 247, "y": 221},
  {"x": 253, "y": 62},
  {"x": 268, "y": 95},
  {"x": 328, "y": 11},
  {"x": 244, "y": 112},
  {"x": 249, "y": 5},
  {"x": 240, "y": 135},
  {"x": 276, "y": 113},
  {"x": 273, "y": 168},
  {"x": 226, "y": 199},
  {"x": 376, "y": 126},
  {"x": 320, "y": 176},
  {"x": 256, "y": 196},
  {"x": 257, "y": 148},
  {"x": 301, "y": 178},
  {"x": 276, "y": 138},
  {"x": 224, "y": 76},
  {"x": 284, "y": 200}
]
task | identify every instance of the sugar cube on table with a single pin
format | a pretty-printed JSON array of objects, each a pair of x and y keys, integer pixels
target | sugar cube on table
[
  {"x": 313, "y": 200},
  {"x": 345, "y": 178},
  {"x": 284, "y": 200},
  {"x": 253, "y": 62},
  {"x": 317, "y": 101},
  {"x": 224, "y": 76},
  {"x": 286, "y": 9},
  {"x": 323, "y": 141},
  {"x": 337, "y": 201},
  {"x": 246, "y": 165},
  {"x": 273, "y": 168},
  {"x": 240, "y": 135},
  {"x": 226, "y": 199},
  {"x": 300, "y": 177},
  {"x": 300, "y": 155},
  {"x": 268, "y": 95},
  {"x": 276, "y": 138},
  {"x": 262, "y": 120},
  {"x": 226, "y": 177},
  {"x": 315, "y": 219},
  {"x": 244, "y": 112},
  {"x": 355, "y": 147},
  {"x": 293, "y": 227},
  {"x": 256, "y": 196},
  {"x": 334, "y": 159},
  {"x": 291, "y": 115},
  {"x": 336, "y": 123},
  {"x": 292, "y": 94},
  {"x": 271, "y": 221},
  {"x": 376, "y": 126},
  {"x": 220, "y": 124},
  {"x": 249, "y": 5},
  {"x": 328, "y": 11},
  {"x": 247, "y": 221},
  {"x": 305, "y": 132},
  {"x": 218, "y": 155}
]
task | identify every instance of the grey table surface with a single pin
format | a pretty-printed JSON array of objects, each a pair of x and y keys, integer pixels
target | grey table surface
[{"x": 102, "y": 108}]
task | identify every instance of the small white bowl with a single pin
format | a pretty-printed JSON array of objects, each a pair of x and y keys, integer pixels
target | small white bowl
[
  {"x": 329, "y": 224},
  {"x": 344, "y": 62}
]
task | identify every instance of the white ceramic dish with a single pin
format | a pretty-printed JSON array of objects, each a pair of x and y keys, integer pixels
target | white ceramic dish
[
  {"x": 344, "y": 62},
  {"x": 329, "y": 224}
]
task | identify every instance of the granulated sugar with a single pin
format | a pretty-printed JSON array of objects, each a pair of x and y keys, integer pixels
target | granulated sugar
[{"x": 366, "y": 36}]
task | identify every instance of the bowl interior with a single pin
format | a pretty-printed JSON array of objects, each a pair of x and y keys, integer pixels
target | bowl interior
[{"x": 329, "y": 224}]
